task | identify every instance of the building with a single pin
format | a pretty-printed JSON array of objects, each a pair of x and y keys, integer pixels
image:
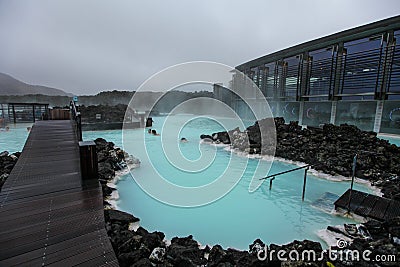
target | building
[{"x": 348, "y": 77}]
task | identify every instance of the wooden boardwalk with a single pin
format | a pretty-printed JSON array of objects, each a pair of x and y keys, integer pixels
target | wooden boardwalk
[
  {"x": 48, "y": 215},
  {"x": 369, "y": 206}
]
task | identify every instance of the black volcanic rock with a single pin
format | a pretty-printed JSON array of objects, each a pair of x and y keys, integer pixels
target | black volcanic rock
[
  {"x": 7, "y": 163},
  {"x": 120, "y": 217}
]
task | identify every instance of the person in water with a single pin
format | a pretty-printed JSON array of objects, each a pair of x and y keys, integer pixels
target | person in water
[
  {"x": 149, "y": 131},
  {"x": 154, "y": 132},
  {"x": 184, "y": 140}
]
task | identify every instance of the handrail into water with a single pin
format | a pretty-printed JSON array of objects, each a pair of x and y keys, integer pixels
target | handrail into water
[
  {"x": 306, "y": 167},
  {"x": 76, "y": 116},
  {"x": 280, "y": 173}
]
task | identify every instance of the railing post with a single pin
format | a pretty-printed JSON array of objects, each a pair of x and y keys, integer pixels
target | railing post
[
  {"x": 270, "y": 183},
  {"x": 79, "y": 126},
  {"x": 76, "y": 116},
  {"x": 352, "y": 180},
  {"x": 304, "y": 184},
  {"x": 88, "y": 158}
]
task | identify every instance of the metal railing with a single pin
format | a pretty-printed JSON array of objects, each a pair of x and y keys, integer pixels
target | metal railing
[
  {"x": 272, "y": 177},
  {"x": 76, "y": 117},
  {"x": 87, "y": 149}
]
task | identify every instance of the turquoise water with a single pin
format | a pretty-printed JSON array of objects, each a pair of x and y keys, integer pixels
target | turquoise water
[
  {"x": 391, "y": 138},
  {"x": 238, "y": 218},
  {"x": 276, "y": 216},
  {"x": 14, "y": 139}
]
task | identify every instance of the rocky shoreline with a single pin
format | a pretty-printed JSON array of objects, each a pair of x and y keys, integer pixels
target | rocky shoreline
[
  {"x": 135, "y": 246},
  {"x": 7, "y": 163},
  {"x": 329, "y": 150}
]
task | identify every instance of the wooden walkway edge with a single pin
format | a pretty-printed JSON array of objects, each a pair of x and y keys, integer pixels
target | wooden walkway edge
[
  {"x": 369, "y": 206},
  {"x": 49, "y": 217}
]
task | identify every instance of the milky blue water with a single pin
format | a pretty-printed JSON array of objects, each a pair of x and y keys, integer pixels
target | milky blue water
[
  {"x": 237, "y": 219},
  {"x": 14, "y": 139},
  {"x": 391, "y": 138},
  {"x": 276, "y": 216}
]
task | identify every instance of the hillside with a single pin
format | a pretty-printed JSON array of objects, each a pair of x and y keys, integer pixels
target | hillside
[
  {"x": 12, "y": 86},
  {"x": 111, "y": 98}
]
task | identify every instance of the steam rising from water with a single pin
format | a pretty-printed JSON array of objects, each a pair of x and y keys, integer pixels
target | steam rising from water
[{"x": 239, "y": 88}]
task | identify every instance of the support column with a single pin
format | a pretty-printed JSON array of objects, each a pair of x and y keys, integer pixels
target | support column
[
  {"x": 387, "y": 66},
  {"x": 339, "y": 71},
  {"x": 378, "y": 116},
  {"x": 305, "y": 74},
  {"x": 13, "y": 110},
  {"x": 301, "y": 112},
  {"x": 333, "y": 112}
]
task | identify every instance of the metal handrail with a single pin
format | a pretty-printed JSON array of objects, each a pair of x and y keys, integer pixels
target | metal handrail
[
  {"x": 76, "y": 116},
  {"x": 306, "y": 167},
  {"x": 276, "y": 174}
]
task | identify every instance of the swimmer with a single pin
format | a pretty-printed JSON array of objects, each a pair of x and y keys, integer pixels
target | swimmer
[
  {"x": 149, "y": 131},
  {"x": 184, "y": 140},
  {"x": 154, "y": 132}
]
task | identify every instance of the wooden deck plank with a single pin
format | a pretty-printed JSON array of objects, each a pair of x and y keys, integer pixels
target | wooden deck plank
[
  {"x": 84, "y": 240},
  {"x": 49, "y": 216},
  {"x": 369, "y": 206},
  {"x": 366, "y": 206},
  {"x": 379, "y": 209},
  {"x": 393, "y": 210}
]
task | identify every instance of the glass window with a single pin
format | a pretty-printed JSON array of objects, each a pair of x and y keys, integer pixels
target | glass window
[
  {"x": 321, "y": 63},
  {"x": 360, "y": 114},
  {"x": 254, "y": 75},
  {"x": 288, "y": 72},
  {"x": 316, "y": 113},
  {"x": 267, "y": 79},
  {"x": 391, "y": 117},
  {"x": 290, "y": 111},
  {"x": 362, "y": 68}
]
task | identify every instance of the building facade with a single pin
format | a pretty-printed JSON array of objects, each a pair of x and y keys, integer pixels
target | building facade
[{"x": 349, "y": 77}]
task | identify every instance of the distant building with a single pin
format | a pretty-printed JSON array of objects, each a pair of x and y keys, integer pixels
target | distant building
[
  {"x": 223, "y": 94},
  {"x": 349, "y": 77}
]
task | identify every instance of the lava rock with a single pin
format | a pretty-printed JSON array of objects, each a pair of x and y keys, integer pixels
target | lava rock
[
  {"x": 157, "y": 255},
  {"x": 7, "y": 163},
  {"x": 185, "y": 250},
  {"x": 116, "y": 216}
]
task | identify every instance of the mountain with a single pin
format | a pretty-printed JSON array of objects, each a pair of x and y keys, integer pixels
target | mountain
[{"x": 11, "y": 86}]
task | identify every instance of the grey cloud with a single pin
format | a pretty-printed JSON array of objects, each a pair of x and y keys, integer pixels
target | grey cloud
[{"x": 84, "y": 47}]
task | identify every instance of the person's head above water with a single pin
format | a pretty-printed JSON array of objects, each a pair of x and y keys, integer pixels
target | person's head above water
[
  {"x": 154, "y": 132},
  {"x": 183, "y": 139}
]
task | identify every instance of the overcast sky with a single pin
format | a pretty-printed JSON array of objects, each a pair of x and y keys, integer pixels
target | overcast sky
[{"x": 84, "y": 47}]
